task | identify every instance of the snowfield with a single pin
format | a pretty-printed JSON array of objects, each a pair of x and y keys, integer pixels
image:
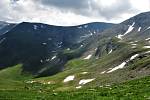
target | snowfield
[
  {"x": 85, "y": 81},
  {"x": 122, "y": 65},
  {"x": 103, "y": 72},
  {"x": 84, "y": 73},
  {"x": 78, "y": 87},
  {"x": 53, "y": 57},
  {"x": 110, "y": 51},
  {"x": 69, "y": 78},
  {"x": 128, "y": 31},
  {"x": 147, "y": 39},
  {"x": 88, "y": 57},
  {"x": 139, "y": 29},
  {"x": 147, "y": 47},
  {"x": 134, "y": 56},
  {"x": 118, "y": 67}
]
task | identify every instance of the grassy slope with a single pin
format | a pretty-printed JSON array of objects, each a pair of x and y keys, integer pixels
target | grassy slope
[
  {"x": 135, "y": 69},
  {"x": 12, "y": 82},
  {"x": 132, "y": 90},
  {"x": 12, "y": 77}
]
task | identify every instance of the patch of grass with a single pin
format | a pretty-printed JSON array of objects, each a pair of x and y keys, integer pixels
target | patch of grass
[
  {"x": 132, "y": 90},
  {"x": 13, "y": 77}
]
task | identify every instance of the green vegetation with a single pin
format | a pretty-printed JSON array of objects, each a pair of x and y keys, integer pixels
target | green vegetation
[
  {"x": 133, "y": 90},
  {"x": 126, "y": 83},
  {"x": 13, "y": 77}
]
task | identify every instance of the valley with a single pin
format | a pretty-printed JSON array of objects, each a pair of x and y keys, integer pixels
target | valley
[{"x": 92, "y": 61}]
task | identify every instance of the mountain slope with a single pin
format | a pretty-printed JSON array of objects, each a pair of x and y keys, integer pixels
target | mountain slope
[
  {"x": 12, "y": 77},
  {"x": 109, "y": 64},
  {"x": 109, "y": 59},
  {"x": 137, "y": 27},
  {"x": 45, "y": 48},
  {"x": 5, "y": 27}
]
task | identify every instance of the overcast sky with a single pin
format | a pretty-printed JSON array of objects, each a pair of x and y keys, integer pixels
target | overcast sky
[{"x": 71, "y": 12}]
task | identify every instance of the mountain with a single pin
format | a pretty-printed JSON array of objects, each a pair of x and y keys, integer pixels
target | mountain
[
  {"x": 116, "y": 55},
  {"x": 41, "y": 47},
  {"x": 90, "y": 61},
  {"x": 137, "y": 28},
  {"x": 5, "y": 27}
]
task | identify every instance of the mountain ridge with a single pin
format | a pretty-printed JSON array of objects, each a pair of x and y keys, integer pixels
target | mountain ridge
[{"x": 44, "y": 40}]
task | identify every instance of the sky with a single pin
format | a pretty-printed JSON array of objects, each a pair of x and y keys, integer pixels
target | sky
[{"x": 71, "y": 12}]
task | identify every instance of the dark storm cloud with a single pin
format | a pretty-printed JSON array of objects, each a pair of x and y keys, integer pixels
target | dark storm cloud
[{"x": 91, "y": 7}]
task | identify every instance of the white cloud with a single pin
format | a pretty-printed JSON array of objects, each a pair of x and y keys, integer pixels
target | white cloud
[
  {"x": 142, "y": 5},
  {"x": 72, "y": 12}
]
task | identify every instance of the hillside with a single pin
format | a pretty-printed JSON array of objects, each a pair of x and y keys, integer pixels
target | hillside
[
  {"x": 109, "y": 59},
  {"x": 90, "y": 61},
  {"x": 40, "y": 47}
]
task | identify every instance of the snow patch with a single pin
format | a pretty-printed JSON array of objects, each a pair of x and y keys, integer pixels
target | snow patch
[
  {"x": 147, "y": 39},
  {"x": 2, "y": 40},
  {"x": 103, "y": 72},
  {"x": 85, "y": 26},
  {"x": 88, "y": 57},
  {"x": 84, "y": 73},
  {"x": 44, "y": 43},
  {"x": 53, "y": 57},
  {"x": 30, "y": 81},
  {"x": 85, "y": 81},
  {"x": 81, "y": 45},
  {"x": 131, "y": 42},
  {"x": 122, "y": 65},
  {"x": 147, "y": 52},
  {"x": 47, "y": 60},
  {"x": 110, "y": 51},
  {"x": 135, "y": 41},
  {"x": 139, "y": 29},
  {"x": 78, "y": 87},
  {"x": 80, "y": 27},
  {"x": 134, "y": 56},
  {"x": 118, "y": 67},
  {"x": 148, "y": 28},
  {"x": 69, "y": 78},
  {"x": 48, "y": 82},
  {"x": 130, "y": 28},
  {"x": 148, "y": 47},
  {"x": 87, "y": 35},
  {"x": 95, "y": 49},
  {"x": 68, "y": 49},
  {"x": 35, "y": 27},
  {"x": 119, "y": 36},
  {"x": 59, "y": 44},
  {"x": 128, "y": 31},
  {"x": 41, "y": 61},
  {"x": 134, "y": 44},
  {"x": 91, "y": 34},
  {"x": 133, "y": 47}
]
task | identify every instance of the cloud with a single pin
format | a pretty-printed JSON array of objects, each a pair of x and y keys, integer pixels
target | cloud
[
  {"x": 69, "y": 12},
  {"x": 75, "y": 4},
  {"x": 95, "y": 8}
]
